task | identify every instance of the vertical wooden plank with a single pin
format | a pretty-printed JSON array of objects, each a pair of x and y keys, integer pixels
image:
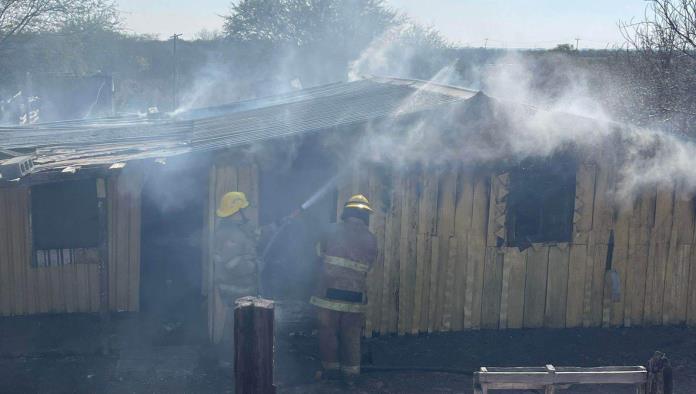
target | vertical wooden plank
[
  {"x": 577, "y": 266},
  {"x": 658, "y": 255},
  {"x": 445, "y": 230},
  {"x": 209, "y": 270},
  {"x": 407, "y": 254},
  {"x": 492, "y": 287},
  {"x": 248, "y": 183},
  {"x": 535, "y": 285},
  {"x": 436, "y": 266},
  {"x": 497, "y": 209},
  {"x": 691, "y": 292},
  {"x": 112, "y": 236},
  {"x": 427, "y": 226},
  {"x": 557, "y": 286},
  {"x": 514, "y": 275},
  {"x": 11, "y": 204},
  {"x": 390, "y": 289},
  {"x": 122, "y": 248},
  {"x": 602, "y": 224},
  {"x": 476, "y": 250},
  {"x": 21, "y": 262},
  {"x": 31, "y": 297},
  {"x": 450, "y": 289},
  {"x": 69, "y": 272},
  {"x": 584, "y": 202},
  {"x": 677, "y": 271},
  {"x": 345, "y": 190},
  {"x": 5, "y": 255},
  {"x": 597, "y": 261},
  {"x": 375, "y": 279},
  {"x": 462, "y": 225},
  {"x": 134, "y": 250},
  {"x": 620, "y": 261},
  {"x": 423, "y": 251},
  {"x": 638, "y": 241}
]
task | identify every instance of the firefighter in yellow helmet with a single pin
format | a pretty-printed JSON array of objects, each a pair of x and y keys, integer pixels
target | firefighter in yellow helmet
[
  {"x": 348, "y": 249},
  {"x": 235, "y": 263}
]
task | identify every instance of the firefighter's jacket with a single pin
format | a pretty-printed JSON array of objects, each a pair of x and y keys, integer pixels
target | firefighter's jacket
[
  {"x": 236, "y": 261},
  {"x": 348, "y": 250}
]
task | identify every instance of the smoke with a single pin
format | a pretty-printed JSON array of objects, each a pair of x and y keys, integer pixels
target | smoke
[{"x": 532, "y": 108}]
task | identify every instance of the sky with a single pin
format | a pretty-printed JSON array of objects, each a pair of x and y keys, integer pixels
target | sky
[{"x": 495, "y": 23}]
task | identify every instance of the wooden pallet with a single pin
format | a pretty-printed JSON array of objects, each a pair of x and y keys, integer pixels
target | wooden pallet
[{"x": 551, "y": 379}]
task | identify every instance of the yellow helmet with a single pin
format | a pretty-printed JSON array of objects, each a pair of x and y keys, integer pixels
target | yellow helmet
[
  {"x": 358, "y": 201},
  {"x": 231, "y": 203}
]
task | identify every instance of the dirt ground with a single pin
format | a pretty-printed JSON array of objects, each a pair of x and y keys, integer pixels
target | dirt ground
[{"x": 61, "y": 354}]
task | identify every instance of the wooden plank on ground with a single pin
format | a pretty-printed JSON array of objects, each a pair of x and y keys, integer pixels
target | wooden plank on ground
[
  {"x": 512, "y": 293},
  {"x": 492, "y": 287},
  {"x": 390, "y": 289},
  {"x": 462, "y": 225},
  {"x": 407, "y": 253},
  {"x": 577, "y": 266},
  {"x": 557, "y": 286},
  {"x": 535, "y": 287},
  {"x": 476, "y": 251}
]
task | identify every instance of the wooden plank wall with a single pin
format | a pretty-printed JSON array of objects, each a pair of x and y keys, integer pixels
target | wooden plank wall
[
  {"x": 441, "y": 267},
  {"x": 26, "y": 289},
  {"x": 224, "y": 177}
]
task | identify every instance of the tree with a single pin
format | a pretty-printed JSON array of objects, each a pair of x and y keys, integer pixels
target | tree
[
  {"x": 662, "y": 55},
  {"x": 33, "y": 16}
]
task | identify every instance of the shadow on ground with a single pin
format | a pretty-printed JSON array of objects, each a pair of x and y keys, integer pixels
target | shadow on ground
[{"x": 61, "y": 354}]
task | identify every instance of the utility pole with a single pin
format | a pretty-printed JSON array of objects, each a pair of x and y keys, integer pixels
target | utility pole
[
  {"x": 577, "y": 44},
  {"x": 175, "y": 101}
]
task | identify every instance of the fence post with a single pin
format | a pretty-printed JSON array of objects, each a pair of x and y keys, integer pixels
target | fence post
[
  {"x": 659, "y": 375},
  {"x": 253, "y": 339}
]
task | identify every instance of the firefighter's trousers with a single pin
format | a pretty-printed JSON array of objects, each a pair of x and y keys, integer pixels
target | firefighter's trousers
[{"x": 339, "y": 340}]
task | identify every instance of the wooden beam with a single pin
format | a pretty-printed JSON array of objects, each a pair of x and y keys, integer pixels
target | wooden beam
[{"x": 253, "y": 353}]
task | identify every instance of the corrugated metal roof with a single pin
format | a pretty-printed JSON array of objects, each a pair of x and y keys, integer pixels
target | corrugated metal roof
[{"x": 105, "y": 141}]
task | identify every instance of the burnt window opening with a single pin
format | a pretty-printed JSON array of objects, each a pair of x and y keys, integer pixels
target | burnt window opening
[
  {"x": 64, "y": 215},
  {"x": 541, "y": 201}
]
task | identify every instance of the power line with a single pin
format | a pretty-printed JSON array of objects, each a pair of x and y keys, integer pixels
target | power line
[{"x": 175, "y": 100}]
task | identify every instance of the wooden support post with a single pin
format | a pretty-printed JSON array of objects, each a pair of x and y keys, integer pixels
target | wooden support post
[
  {"x": 103, "y": 265},
  {"x": 659, "y": 375},
  {"x": 253, "y": 353}
]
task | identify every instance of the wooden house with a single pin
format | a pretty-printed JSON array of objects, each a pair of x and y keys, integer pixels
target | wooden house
[{"x": 531, "y": 242}]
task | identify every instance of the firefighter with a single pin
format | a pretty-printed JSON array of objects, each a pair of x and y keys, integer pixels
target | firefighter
[
  {"x": 236, "y": 265},
  {"x": 348, "y": 250}
]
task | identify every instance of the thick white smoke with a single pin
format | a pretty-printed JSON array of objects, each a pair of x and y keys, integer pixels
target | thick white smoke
[{"x": 526, "y": 121}]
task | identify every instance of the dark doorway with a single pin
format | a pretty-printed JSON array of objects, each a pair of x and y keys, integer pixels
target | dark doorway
[
  {"x": 173, "y": 206},
  {"x": 290, "y": 260}
]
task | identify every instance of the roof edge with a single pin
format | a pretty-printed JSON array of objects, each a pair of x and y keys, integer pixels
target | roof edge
[{"x": 451, "y": 90}]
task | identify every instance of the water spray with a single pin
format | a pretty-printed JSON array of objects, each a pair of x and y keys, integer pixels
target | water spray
[{"x": 297, "y": 212}]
